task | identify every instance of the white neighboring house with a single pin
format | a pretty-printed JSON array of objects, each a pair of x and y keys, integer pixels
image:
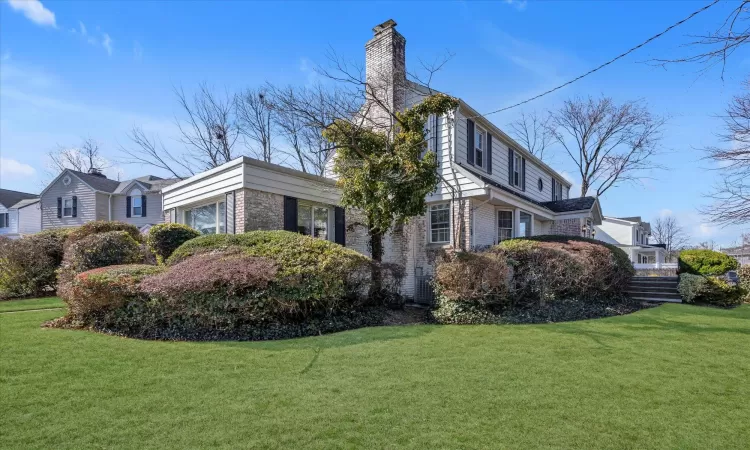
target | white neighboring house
[
  {"x": 741, "y": 254},
  {"x": 632, "y": 235},
  {"x": 492, "y": 189},
  {"x": 19, "y": 213}
]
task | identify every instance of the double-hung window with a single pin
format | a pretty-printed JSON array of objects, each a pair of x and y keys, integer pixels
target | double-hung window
[
  {"x": 504, "y": 225},
  {"x": 558, "y": 189},
  {"x": 517, "y": 169},
  {"x": 314, "y": 220},
  {"x": 137, "y": 203},
  {"x": 4, "y": 222},
  {"x": 480, "y": 145},
  {"x": 440, "y": 224},
  {"x": 67, "y": 207}
]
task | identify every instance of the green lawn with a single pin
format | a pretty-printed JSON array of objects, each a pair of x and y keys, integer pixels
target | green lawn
[
  {"x": 675, "y": 376},
  {"x": 31, "y": 304}
]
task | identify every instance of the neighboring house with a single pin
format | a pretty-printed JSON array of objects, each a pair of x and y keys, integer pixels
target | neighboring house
[
  {"x": 18, "y": 216},
  {"x": 632, "y": 235},
  {"x": 492, "y": 189},
  {"x": 74, "y": 198},
  {"x": 741, "y": 254}
]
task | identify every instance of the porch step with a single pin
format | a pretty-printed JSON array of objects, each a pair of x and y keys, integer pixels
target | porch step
[{"x": 654, "y": 289}]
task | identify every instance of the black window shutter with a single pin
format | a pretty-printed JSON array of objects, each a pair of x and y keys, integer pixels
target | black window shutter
[
  {"x": 59, "y": 207},
  {"x": 290, "y": 214},
  {"x": 143, "y": 206},
  {"x": 470, "y": 141},
  {"x": 128, "y": 202},
  {"x": 339, "y": 229},
  {"x": 523, "y": 174},
  {"x": 489, "y": 153},
  {"x": 510, "y": 166},
  {"x": 75, "y": 206}
]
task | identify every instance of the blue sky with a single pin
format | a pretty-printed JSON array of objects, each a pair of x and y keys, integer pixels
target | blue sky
[{"x": 70, "y": 70}]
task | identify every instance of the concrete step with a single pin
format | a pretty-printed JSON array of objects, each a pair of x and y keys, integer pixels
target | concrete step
[
  {"x": 651, "y": 288},
  {"x": 655, "y": 284},
  {"x": 656, "y": 279},
  {"x": 656, "y": 300},
  {"x": 650, "y": 294}
]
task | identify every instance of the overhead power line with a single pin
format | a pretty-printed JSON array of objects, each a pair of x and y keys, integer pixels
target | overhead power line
[{"x": 620, "y": 56}]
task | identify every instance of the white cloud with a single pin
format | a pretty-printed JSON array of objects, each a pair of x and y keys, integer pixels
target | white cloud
[
  {"x": 35, "y": 12},
  {"x": 518, "y": 4},
  {"x": 107, "y": 44},
  {"x": 13, "y": 169}
]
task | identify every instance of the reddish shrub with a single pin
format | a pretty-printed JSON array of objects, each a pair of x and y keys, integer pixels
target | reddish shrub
[
  {"x": 219, "y": 273},
  {"x": 473, "y": 277}
]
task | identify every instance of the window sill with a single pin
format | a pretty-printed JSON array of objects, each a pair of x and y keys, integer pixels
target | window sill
[{"x": 438, "y": 244}]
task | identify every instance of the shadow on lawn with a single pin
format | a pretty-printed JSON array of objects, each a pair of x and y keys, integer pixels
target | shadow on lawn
[{"x": 337, "y": 340}]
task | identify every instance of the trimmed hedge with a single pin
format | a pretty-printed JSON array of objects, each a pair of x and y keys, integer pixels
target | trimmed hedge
[
  {"x": 709, "y": 290},
  {"x": 98, "y": 290},
  {"x": 705, "y": 262},
  {"x": 28, "y": 266},
  {"x": 479, "y": 287},
  {"x": 312, "y": 269},
  {"x": 744, "y": 274},
  {"x": 163, "y": 239}
]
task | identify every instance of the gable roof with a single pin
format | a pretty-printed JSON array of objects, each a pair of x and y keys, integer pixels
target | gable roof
[
  {"x": 9, "y": 198},
  {"x": 151, "y": 183},
  {"x": 631, "y": 219},
  {"x": 24, "y": 203},
  {"x": 571, "y": 204}
]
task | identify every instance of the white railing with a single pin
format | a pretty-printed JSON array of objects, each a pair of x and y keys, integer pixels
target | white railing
[{"x": 655, "y": 266}]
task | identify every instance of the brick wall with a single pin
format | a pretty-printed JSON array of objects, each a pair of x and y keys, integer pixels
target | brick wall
[
  {"x": 256, "y": 210},
  {"x": 567, "y": 227}
]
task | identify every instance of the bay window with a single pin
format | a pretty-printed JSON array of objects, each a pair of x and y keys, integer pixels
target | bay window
[{"x": 440, "y": 223}]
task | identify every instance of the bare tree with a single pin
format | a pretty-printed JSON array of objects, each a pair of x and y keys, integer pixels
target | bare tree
[
  {"x": 717, "y": 46},
  {"x": 610, "y": 144},
  {"x": 707, "y": 245},
  {"x": 668, "y": 232},
  {"x": 533, "y": 132},
  {"x": 209, "y": 128},
  {"x": 150, "y": 151},
  {"x": 83, "y": 158},
  {"x": 731, "y": 197},
  {"x": 257, "y": 118}
]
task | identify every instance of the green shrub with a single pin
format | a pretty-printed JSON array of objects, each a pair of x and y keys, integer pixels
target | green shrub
[
  {"x": 106, "y": 288},
  {"x": 311, "y": 269},
  {"x": 705, "y": 262},
  {"x": 28, "y": 266},
  {"x": 744, "y": 274},
  {"x": 709, "y": 290},
  {"x": 103, "y": 226},
  {"x": 163, "y": 239}
]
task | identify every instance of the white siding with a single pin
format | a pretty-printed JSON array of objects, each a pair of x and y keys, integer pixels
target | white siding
[
  {"x": 12, "y": 225},
  {"x": 614, "y": 233},
  {"x": 191, "y": 192},
  {"x": 298, "y": 186},
  {"x": 154, "y": 213},
  {"x": 500, "y": 162},
  {"x": 30, "y": 219},
  {"x": 484, "y": 224},
  {"x": 87, "y": 204}
]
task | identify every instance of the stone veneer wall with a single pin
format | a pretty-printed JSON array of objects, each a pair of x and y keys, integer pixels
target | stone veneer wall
[{"x": 256, "y": 210}]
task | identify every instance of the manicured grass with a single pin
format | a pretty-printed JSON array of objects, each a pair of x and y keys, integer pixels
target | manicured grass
[
  {"x": 31, "y": 304},
  {"x": 675, "y": 376}
]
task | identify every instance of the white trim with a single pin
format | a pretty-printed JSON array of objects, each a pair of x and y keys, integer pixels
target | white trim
[
  {"x": 512, "y": 223},
  {"x": 180, "y": 213},
  {"x": 331, "y": 226},
  {"x": 133, "y": 197},
  {"x": 64, "y": 199}
]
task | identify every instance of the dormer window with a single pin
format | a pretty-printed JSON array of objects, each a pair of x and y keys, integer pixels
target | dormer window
[
  {"x": 137, "y": 203},
  {"x": 480, "y": 147}
]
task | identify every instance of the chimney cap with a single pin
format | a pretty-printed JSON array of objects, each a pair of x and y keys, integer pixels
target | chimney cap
[{"x": 388, "y": 24}]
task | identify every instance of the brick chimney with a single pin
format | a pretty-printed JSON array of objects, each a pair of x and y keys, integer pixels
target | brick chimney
[{"x": 385, "y": 69}]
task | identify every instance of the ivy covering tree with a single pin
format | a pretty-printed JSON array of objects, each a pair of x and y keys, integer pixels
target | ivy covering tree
[{"x": 385, "y": 177}]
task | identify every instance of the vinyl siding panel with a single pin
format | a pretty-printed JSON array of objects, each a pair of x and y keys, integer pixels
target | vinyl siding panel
[
  {"x": 204, "y": 189},
  {"x": 484, "y": 228},
  {"x": 614, "y": 233},
  {"x": 12, "y": 226},
  {"x": 154, "y": 213},
  {"x": 265, "y": 180},
  {"x": 29, "y": 219},
  {"x": 102, "y": 206},
  {"x": 87, "y": 204}
]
